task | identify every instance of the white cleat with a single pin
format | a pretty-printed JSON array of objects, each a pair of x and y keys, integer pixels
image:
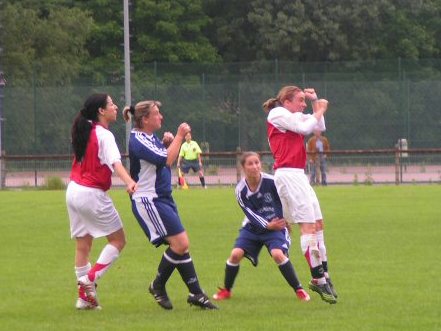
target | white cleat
[
  {"x": 89, "y": 289},
  {"x": 82, "y": 304}
]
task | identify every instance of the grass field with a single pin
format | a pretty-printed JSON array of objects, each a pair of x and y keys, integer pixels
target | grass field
[{"x": 384, "y": 255}]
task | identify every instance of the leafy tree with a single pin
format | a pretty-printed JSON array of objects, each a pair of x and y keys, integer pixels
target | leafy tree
[
  {"x": 105, "y": 41},
  {"x": 48, "y": 49},
  {"x": 170, "y": 31},
  {"x": 318, "y": 30}
]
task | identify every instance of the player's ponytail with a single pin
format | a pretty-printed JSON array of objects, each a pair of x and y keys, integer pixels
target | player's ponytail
[
  {"x": 126, "y": 111},
  {"x": 138, "y": 112},
  {"x": 82, "y": 125},
  {"x": 270, "y": 104},
  {"x": 285, "y": 93}
]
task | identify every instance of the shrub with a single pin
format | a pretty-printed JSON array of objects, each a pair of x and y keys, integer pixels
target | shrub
[{"x": 54, "y": 183}]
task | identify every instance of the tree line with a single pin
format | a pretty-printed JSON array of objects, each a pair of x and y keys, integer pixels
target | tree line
[
  {"x": 57, "y": 41},
  {"x": 214, "y": 62}
]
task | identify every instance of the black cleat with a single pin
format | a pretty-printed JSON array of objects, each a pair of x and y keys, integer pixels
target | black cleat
[
  {"x": 161, "y": 297},
  {"x": 324, "y": 291},
  {"x": 200, "y": 300},
  {"x": 331, "y": 286}
]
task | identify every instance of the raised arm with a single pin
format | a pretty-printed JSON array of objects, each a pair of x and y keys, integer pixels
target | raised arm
[{"x": 175, "y": 146}]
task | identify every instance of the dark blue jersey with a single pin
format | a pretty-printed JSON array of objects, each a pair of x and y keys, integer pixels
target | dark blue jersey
[
  {"x": 148, "y": 167},
  {"x": 261, "y": 206}
]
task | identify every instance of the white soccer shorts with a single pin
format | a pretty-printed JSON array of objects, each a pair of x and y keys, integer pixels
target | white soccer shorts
[
  {"x": 91, "y": 211},
  {"x": 299, "y": 201}
]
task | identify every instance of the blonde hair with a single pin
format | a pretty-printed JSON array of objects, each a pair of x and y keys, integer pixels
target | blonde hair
[
  {"x": 286, "y": 93},
  {"x": 140, "y": 110},
  {"x": 246, "y": 155}
]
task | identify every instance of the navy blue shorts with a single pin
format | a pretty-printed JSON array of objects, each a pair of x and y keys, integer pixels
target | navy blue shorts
[
  {"x": 252, "y": 243},
  {"x": 187, "y": 165},
  {"x": 158, "y": 218}
]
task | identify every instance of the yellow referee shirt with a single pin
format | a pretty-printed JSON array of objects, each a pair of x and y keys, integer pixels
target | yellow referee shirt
[{"x": 190, "y": 151}]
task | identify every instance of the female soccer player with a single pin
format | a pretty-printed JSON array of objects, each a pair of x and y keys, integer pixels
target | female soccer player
[
  {"x": 286, "y": 128},
  {"x": 153, "y": 205},
  {"x": 91, "y": 211},
  {"x": 263, "y": 226}
]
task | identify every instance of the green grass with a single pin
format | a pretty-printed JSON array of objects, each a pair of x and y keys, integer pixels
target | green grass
[{"x": 383, "y": 245}]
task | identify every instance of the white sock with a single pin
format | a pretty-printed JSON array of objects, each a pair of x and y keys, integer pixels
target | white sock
[
  {"x": 81, "y": 271},
  {"x": 108, "y": 255},
  {"x": 308, "y": 243},
  {"x": 321, "y": 245}
]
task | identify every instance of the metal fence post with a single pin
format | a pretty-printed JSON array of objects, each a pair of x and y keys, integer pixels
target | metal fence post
[
  {"x": 238, "y": 166},
  {"x": 397, "y": 167},
  {"x": 2, "y": 172}
]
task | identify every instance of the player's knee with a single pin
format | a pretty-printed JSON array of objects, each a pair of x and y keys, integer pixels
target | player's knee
[
  {"x": 278, "y": 256},
  {"x": 307, "y": 228},
  {"x": 236, "y": 256},
  {"x": 180, "y": 247}
]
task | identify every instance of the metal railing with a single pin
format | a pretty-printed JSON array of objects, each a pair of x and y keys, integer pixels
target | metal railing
[{"x": 375, "y": 166}]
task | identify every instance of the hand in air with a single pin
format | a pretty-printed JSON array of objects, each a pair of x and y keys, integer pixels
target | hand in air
[
  {"x": 310, "y": 94},
  {"x": 167, "y": 139},
  {"x": 183, "y": 129}
]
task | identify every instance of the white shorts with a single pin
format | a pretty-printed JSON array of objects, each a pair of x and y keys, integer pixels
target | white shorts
[
  {"x": 91, "y": 211},
  {"x": 299, "y": 201}
]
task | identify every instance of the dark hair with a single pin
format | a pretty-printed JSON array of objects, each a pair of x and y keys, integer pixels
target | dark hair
[
  {"x": 286, "y": 93},
  {"x": 82, "y": 125}
]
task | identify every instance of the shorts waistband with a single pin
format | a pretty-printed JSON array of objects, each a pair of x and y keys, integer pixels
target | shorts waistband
[{"x": 291, "y": 170}]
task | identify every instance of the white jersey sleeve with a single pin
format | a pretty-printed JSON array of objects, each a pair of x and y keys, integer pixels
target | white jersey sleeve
[
  {"x": 298, "y": 122},
  {"x": 108, "y": 150}
]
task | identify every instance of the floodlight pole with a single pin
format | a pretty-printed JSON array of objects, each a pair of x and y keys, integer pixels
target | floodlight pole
[
  {"x": 127, "y": 86},
  {"x": 2, "y": 86}
]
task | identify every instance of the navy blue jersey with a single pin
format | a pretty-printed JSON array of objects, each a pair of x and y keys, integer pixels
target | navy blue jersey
[
  {"x": 148, "y": 167},
  {"x": 261, "y": 206}
]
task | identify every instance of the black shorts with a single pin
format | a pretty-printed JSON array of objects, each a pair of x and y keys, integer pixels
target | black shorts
[{"x": 190, "y": 164}]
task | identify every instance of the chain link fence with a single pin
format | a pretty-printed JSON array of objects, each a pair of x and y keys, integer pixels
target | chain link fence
[{"x": 373, "y": 104}]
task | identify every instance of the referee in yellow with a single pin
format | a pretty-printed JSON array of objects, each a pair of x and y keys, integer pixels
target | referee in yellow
[{"x": 190, "y": 158}]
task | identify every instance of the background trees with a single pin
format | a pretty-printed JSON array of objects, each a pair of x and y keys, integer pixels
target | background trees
[{"x": 213, "y": 62}]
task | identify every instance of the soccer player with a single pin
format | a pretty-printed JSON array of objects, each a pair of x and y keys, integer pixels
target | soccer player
[
  {"x": 286, "y": 129},
  {"x": 190, "y": 158},
  {"x": 263, "y": 226},
  {"x": 153, "y": 204},
  {"x": 91, "y": 211}
]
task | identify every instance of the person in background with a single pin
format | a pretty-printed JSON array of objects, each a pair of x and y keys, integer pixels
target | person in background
[
  {"x": 286, "y": 128},
  {"x": 153, "y": 204},
  {"x": 190, "y": 158},
  {"x": 318, "y": 147},
  {"x": 263, "y": 226},
  {"x": 91, "y": 211}
]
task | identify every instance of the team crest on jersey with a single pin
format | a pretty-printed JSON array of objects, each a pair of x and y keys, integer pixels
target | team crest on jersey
[{"x": 267, "y": 197}]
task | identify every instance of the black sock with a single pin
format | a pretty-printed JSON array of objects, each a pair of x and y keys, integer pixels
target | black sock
[
  {"x": 165, "y": 269},
  {"x": 202, "y": 179},
  {"x": 289, "y": 273},
  {"x": 325, "y": 266},
  {"x": 317, "y": 272},
  {"x": 231, "y": 272},
  {"x": 188, "y": 273}
]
